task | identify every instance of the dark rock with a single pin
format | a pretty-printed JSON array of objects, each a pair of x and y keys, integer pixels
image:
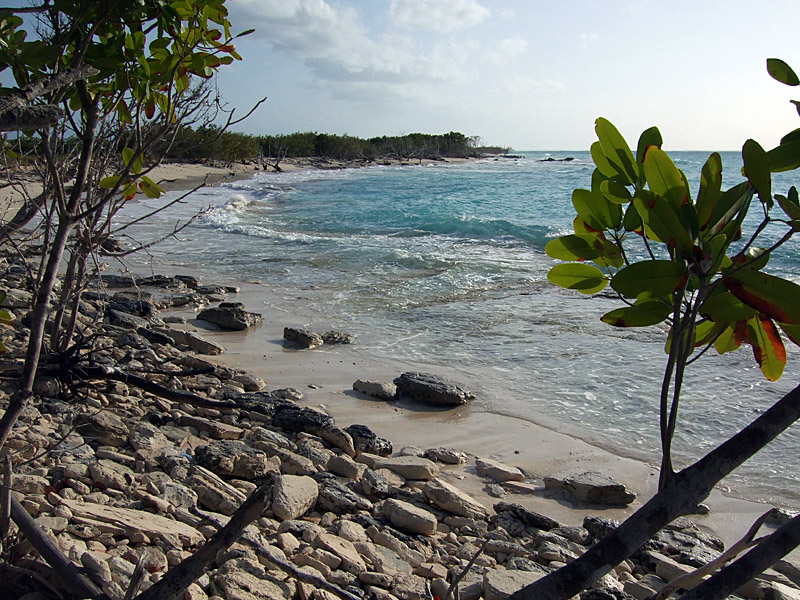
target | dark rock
[
  {"x": 161, "y": 281},
  {"x": 520, "y": 563},
  {"x": 155, "y": 337},
  {"x": 592, "y": 487},
  {"x": 599, "y": 527},
  {"x": 302, "y": 338},
  {"x": 265, "y": 403},
  {"x": 125, "y": 320},
  {"x": 527, "y": 516},
  {"x": 365, "y": 440},
  {"x": 337, "y": 498},
  {"x": 233, "y": 458},
  {"x": 432, "y": 389},
  {"x": 336, "y": 337},
  {"x": 211, "y": 290},
  {"x": 117, "y": 281},
  {"x": 296, "y": 419},
  {"x": 189, "y": 281},
  {"x": 230, "y": 315},
  {"x": 140, "y": 308},
  {"x": 374, "y": 485},
  {"x": 134, "y": 340}
]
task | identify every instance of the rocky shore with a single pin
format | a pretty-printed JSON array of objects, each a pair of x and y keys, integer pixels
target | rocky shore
[{"x": 135, "y": 460}]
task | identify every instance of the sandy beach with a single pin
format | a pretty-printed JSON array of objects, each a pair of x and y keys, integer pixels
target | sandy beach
[{"x": 325, "y": 377}]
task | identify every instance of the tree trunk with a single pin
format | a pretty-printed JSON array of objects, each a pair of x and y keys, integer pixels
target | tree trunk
[{"x": 686, "y": 489}]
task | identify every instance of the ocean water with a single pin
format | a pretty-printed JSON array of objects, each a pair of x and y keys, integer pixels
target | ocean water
[{"x": 445, "y": 265}]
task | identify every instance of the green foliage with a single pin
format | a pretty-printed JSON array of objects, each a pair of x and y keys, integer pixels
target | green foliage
[{"x": 686, "y": 261}]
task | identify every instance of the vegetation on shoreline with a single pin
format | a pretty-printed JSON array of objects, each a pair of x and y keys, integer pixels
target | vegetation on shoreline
[{"x": 211, "y": 144}]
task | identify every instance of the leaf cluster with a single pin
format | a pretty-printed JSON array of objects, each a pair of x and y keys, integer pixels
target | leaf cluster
[{"x": 697, "y": 270}]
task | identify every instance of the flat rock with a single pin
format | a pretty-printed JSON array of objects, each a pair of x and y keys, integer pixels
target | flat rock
[
  {"x": 230, "y": 315},
  {"x": 498, "y": 471},
  {"x": 339, "y": 499},
  {"x": 338, "y": 438},
  {"x": 407, "y": 517},
  {"x": 293, "y": 496},
  {"x": 240, "y": 579},
  {"x": 104, "y": 426},
  {"x": 233, "y": 459},
  {"x": 134, "y": 520},
  {"x": 213, "y": 492},
  {"x": 498, "y": 585},
  {"x": 432, "y": 389},
  {"x": 409, "y": 467},
  {"x": 344, "y": 549},
  {"x": 454, "y": 500},
  {"x": 592, "y": 487},
  {"x": 383, "y": 390},
  {"x": 447, "y": 456},
  {"x": 302, "y": 338},
  {"x": 193, "y": 341},
  {"x": 528, "y": 517},
  {"x": 215, "y": 429}
]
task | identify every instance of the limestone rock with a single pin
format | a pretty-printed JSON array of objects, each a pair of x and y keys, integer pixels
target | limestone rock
[
  {"x": 240, "y": 579},
  {"x": 365, "y": 440},
  {"x": 383, "y": 390},
  {"x": 432, "y": 389},
  {"x": 293, "y": 496},
  {"x": 498, "y": 471},
  {"x": 296, "y": 419},
  {"x": 335, "y": 497},
  {"x": 526, "y": 516},
  {"x": 104, "y": 426},
  {"x": 410, "y": 518},
  {"x": 498, "y": 585},
  {"x": 193, "y": 341},
  {"x": 302, "y": 338},
  {"x": 338, "y": 438},
  {"x": 452, "y": 499},
  {"x": 409, "y": 467},
  {"x": 213, "y": 492},
  {"x": 337, "y": 337},
  {"x": 230, "y": 315},
  {"x": 234, "y": 459},
  {"x": 446, "y": 456},
  {"x": 592, "y": 487},
  {"x": 344, "y": 549}
]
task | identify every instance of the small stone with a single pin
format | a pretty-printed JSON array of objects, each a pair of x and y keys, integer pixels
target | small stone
[
  {"x": 294, "y": 495},
  {"x": 410, "y": 518},
  {"x": 383, "y": 390},
  {"x": 498, "y": 471},
  {"x": 409, "y": 467},
  {"x": 592, "y": 487}
]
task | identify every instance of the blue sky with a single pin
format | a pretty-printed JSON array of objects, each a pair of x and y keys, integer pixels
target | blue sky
[{"x": 523, "y": 73}]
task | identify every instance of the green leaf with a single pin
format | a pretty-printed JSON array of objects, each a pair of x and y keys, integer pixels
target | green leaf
[
  {"x": 729, "y": 340},
  {"x": 604, "y": 166},
  {"x": 610, "y": 253},
  {"x": 731, "y": 207},
  {"x": 664, "y": 178},
  {"x": 573, "y": 247},
  {"x": 724, "y": 307},
  {"x": 785, "y": 156},
  {"x": 641, "y": 314},
  {"x": 782, "y": 72},
  {"x": 771, "y": 295},
  {"x": 710, "y": 185},
  {"x": 616, "y": 149},
  {"x": 790, "y": 206},
  {"x": 108, "y": 182},
  {"x": 6, "y": 317},
  {"x": 660, "y": 216},
  {"x": 756, "y": 169},
  {"x": 150, "y": 188},
  {"x": 649, "y": 137},
  {"x": 615, "y": 192},
  {"x": 632, "y": 220},
  {"x": 653, "y": 277},
  {"x": 768, "y": 348},
  {"x": 792, "y": 332},
  {"x": 577, "y": 276},
  {"x": 599, "y": 213}
]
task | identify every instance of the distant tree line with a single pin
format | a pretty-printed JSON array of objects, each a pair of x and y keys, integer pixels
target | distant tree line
[{"x": 212, "y": 144}]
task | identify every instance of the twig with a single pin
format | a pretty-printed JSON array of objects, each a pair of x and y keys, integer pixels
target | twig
[
  {"x": 452, "y": 591},
  {"x": 5, "y": 501}
]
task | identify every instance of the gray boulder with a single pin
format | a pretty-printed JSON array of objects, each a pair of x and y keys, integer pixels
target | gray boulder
[
  {"x": 230, "y": 315},
  {"x": 383, "y": 390},
  {"x": 432, "y": 389},
  {"x": 592, "y": 487},
  {"x": 233, "y": 459},
  {"x": 302, "y": 338}
]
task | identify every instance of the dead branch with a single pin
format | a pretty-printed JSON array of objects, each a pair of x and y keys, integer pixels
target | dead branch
[
  {"x": 74, "y": 580},
  {"x": 183, "y": 575}
]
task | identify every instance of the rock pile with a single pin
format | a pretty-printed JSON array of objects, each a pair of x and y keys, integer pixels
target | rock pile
[{"x": 118, "y": 477}]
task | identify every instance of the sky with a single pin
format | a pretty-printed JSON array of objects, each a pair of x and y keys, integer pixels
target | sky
[{"x": 529, "y": 74}]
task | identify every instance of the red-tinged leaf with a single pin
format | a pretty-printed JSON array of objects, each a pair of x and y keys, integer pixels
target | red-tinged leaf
[
  {"x": 150, "y": 108},
  {"x": 768, "y": 294},
  {"x": 768, "y": 348},
  {"x": 728, "y": 341}
]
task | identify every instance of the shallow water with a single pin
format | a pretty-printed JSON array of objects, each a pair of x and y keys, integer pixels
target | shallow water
[{"x": 445, "y": 265}]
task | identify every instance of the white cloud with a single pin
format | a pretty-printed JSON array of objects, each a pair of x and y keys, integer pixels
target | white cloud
[
  {"x": 507, "y": 51},
  {"x": 520, "y": 86},
  {"x": 332, "y": 42},
  {"x": 438, "y": 15},
  {"x": 589, "y": 38}
]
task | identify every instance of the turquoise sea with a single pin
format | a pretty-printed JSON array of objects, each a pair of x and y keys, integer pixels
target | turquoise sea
[{"x": 445, "y": 265}]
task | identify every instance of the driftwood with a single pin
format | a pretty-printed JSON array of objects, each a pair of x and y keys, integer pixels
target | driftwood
[
  {"x": 735, "y": 575},
  {"x": 68, "y": 573},
  {"x": 5, "y": 501},
  {"x": 682, "y": 494},
  {"x": 289, "y": 568},
  {"x": 180, "y": 577}
]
